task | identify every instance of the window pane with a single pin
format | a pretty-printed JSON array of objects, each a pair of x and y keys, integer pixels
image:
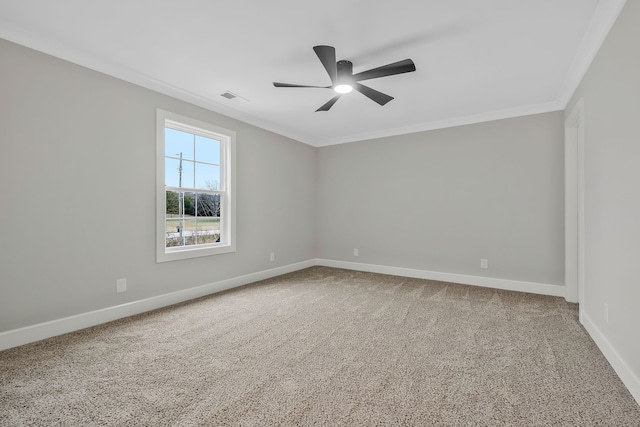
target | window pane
[
  {"x": 189, "y": 234},
  {"x": 189, "y": 204},
  {"x": 191, "y": 218},
  {"x": 180, "y": 222},
  {"x": 207, "y": 177},
  {"x": 207, "y": 150},
  {"x": 208, "y": 205},
  {"x": 176, "y": 142},
  {"x": 208, "y": 219},
  {"x": 172, "y": 173},
  {"x": 188, "y": 174},
  {"x": 172, "y": 206},
  {"x": 173, "y": 219}
]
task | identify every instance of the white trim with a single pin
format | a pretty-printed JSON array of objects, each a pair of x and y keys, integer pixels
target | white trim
[
  {"x": 227, "y": 140},
  {"x": 603, "y": 19},
  {"x": 601, "y": 23},
  {"x": 629, "y": 379},
  {"x": 56, "y": 327},
  {"x": 488, "y": 282},
  {"x": 570, "y": 213},
  {"x": 90, "y": 60},
  {"x": 574, "y": 204},
  {"x": 446, "y": 123},
  {"x": 28, "y": 334}
]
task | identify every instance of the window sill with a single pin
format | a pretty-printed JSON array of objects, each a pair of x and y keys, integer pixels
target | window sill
[{"x": 187, "y": 253}]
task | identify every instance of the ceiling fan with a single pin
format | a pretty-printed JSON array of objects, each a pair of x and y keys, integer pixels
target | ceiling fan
[{"x": 343, "y": 80}]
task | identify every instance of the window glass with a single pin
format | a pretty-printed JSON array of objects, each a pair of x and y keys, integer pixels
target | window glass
[
  {"x": 208, "y": 150},
  {"x": 177, "y": 142},
  {"x": 207, "y": 177}
]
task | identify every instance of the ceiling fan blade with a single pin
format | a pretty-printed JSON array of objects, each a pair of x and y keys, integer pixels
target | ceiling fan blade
[
  {"x": 374, "y": 95},
  {"x": 277, "y": 84},
  {"x": 329, "y": 104},
  {"x": 405, "y": 66},
  {"x": 327, "y": 55}
]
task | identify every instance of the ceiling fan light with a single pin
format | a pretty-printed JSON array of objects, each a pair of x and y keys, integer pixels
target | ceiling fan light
[{"x": 343, "y": 88}]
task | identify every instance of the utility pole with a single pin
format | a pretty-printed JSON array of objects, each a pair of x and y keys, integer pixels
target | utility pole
[{"x": 180, "y": 203}]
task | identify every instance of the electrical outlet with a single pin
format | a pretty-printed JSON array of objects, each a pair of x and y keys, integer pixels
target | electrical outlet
[
  {"x": 484, "y": 263},
  {"x": 355, "y": 252},
  {"x": 121, "y": 285},
  {"x": 272, "y": 256},
  {"x": 606, "y": 312}
]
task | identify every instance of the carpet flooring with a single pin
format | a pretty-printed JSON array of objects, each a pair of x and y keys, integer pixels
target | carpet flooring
[{"x": 324, "y": 347}]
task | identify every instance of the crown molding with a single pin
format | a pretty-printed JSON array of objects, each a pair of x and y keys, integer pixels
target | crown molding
[
  {"x": 601, "y": 23},
  {"x": 125, "y": 73},
  {"x": 447, "y": 123},
  {"x": 603, "y": 19}
]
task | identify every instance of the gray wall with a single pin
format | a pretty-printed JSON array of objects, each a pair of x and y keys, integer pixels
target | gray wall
[
  {"x": 611, "y": 92},
  {"x": 78, "y": 152},
  {"x": 77, "y": 193},
  {"x": 442, "y": 200}
]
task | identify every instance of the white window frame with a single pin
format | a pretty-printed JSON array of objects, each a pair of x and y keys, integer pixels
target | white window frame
[{"x": 227, "y": 192}]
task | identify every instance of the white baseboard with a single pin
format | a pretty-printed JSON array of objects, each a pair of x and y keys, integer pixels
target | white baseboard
[
  {"x": 56, "y": 327},
  {"x": 53, "y": 328},
  {"x": 629, "y": 379},
  {"x": 488, "y": 282}
]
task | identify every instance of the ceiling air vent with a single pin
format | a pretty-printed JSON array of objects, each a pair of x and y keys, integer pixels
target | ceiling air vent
[{"x": 234, "y": 97}]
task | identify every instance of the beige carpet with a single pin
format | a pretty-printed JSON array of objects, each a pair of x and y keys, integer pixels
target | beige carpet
[{"x": 324, "y": 347}]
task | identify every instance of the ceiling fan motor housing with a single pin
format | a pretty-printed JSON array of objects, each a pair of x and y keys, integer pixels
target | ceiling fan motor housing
[{"x": 344, "y": 72}]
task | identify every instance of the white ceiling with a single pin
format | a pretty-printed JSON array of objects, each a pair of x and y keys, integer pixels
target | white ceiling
[{"x": 475, "y": 60}]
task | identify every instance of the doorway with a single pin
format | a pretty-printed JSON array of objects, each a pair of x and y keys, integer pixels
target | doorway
[{"x": 574, "y": 205}]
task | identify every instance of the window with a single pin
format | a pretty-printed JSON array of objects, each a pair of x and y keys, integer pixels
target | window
[{"x": 195, "y": 203}]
